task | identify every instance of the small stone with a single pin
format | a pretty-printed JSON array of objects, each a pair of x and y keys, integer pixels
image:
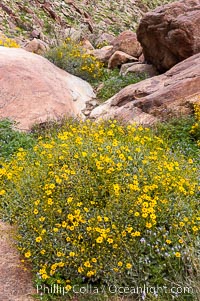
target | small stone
[
  {"x": 93, "y": 103},
  {"x": 36, "y": 46},
  {"x": 35, "y": 34},
  {"x": 103, "y": 54},
  {"x": 150, "y": 70},
  {"x": 87, "y": 112},
  {"x": 118, "y": 58}
]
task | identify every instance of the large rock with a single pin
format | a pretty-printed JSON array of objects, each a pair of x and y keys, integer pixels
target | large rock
[
  {"x": 128, "y": 43},
  {"x": 170, "y": 33},
  {"x": 156, "y": 98},
  {"x": 34, "y": 90}
]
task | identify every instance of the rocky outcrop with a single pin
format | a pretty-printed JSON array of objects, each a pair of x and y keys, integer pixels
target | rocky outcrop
[
  {"x": 170, "y": 33},
  {"x": 156, "y": 98},
  {"x": 34, "y": 90}
]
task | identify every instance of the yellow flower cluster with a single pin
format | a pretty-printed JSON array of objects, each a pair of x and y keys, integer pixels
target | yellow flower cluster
[
  {"x": 7, "y": 42},
  {"x": 197, "y": 111},
  {"x": 101, "y": 200},
  {"x": 73, "y": 58},
  {"x": 195, "y": 130}
]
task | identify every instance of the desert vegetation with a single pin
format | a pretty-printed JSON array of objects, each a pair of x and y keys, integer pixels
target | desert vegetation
[
  {"x": 104, "y": 210},
  {"x": 105, "y": 204}
]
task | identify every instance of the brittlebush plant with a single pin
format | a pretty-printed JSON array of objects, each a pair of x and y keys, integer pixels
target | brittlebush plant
[
  {"x": 104, "y": 203},
  {"x": 195, "y": 130},
  {"x": 7, "y": 42},
  {"x": 73, "y": 58}
]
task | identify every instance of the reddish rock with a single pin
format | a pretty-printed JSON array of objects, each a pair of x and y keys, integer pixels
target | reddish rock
[
  {"x": 103, "y": 54},
  {"x": 118, "y": 58},
  {"x": 128, "y": 43},
  {"x": 36, "y": 46},
  {"x": 141, "y": 59},
  {"x": 86, "y": 44},
  {"x": 139, "y": 68},
  {"x": 35, "y": 34},
  {"x": 104, "y": 39},
  {"x": 170, "y": 33},
  {"x": 156, "y": 98},
  {"x": 33, "y": 90}
]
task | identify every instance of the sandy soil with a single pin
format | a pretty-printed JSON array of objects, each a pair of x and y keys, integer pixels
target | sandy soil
[{"x": 15, "y": 279}]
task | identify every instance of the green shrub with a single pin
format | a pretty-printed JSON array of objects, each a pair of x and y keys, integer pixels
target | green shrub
[
  {"x": 177, "y": 132},
  {"x": 104, "y": 204},
  {"x": 73, "y": 58},
  {"x": 182, "y": 134},
  {"x": 114, "y": 82},
  {"x": 11, "y": 140}
]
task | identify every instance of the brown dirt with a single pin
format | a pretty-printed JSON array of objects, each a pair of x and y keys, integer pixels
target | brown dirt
[{"x": 15, "y": 279}]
